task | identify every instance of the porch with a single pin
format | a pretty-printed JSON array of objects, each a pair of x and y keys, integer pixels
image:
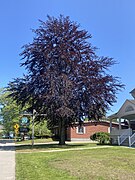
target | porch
[{"x": 124, "y": 135}]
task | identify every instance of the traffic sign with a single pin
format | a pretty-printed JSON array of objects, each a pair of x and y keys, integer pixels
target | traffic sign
[
  {"x": 24, "y": 129},
  {"x": 24, "y": 121},
  {"x": 16, "y": 126}
]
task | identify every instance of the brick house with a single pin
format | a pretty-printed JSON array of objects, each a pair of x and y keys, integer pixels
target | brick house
[{"x": 80, "y": 133}]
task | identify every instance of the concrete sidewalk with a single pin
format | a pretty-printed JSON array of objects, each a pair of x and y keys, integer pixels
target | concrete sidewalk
[{"x": 7, "y": 161}]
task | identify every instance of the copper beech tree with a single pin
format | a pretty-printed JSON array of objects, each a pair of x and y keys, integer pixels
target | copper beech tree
[{"x": 65, "y": 78}]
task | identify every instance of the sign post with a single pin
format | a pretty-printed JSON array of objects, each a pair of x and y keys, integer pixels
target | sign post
[
  {"x": 16, "y": 127},
  {"x": 33, "y": 115},
  {"x": 33, "y": 119},
  {"x": 24, "y": 126}
]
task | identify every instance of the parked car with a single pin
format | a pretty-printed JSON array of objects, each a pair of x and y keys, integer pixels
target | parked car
[
  {"x": 26, "y": 137},
  {"x": 6, "y": 137}
]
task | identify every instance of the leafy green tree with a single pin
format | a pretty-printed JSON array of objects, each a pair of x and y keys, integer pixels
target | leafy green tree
[
  {"x": 41, "y": 130},
  {"x": 11, "y": 114},
  {"x": 9, "y": 111},
  {"x": 66, "y": 79}
]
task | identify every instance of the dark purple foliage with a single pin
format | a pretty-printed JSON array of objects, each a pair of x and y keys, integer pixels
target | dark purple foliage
[{"x": 66, "y": 79}]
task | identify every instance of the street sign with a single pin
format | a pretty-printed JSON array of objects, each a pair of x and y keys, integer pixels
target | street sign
[
  {"x": 24, "y": 121},
  {"x": 16, "y": 126},
  {"x": 24, "y": 129}
]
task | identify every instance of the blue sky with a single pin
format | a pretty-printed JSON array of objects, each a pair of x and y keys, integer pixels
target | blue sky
[{"x": 111, "y": 23}]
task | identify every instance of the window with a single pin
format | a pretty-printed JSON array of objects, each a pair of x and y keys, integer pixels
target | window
[
  {"x": 80, "y": 130},
  {"x": 129, "y": 108}
]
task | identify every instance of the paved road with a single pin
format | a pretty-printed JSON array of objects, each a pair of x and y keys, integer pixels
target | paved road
[{"x": 7, "y": 161}]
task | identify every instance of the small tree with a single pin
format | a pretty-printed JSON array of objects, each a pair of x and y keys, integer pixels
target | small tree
[
  {"x": 41, "y": 130},
  {"x": 66, "y": 79}
]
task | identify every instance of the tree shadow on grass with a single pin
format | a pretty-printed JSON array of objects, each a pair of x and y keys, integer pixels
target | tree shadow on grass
[{"x": 48, "y": 146}]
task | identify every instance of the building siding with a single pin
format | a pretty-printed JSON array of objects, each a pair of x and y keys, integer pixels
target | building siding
[{"x": 90, "y": 129}]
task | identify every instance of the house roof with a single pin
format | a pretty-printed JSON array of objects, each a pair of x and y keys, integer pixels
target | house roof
[
  {"x": 96, "y": 122},
  {"x": 127, "y": 111},
  {"x": 133, "y": 93}
]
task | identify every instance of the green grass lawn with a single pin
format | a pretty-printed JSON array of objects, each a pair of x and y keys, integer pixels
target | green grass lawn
[
  {"x": 113, "y": 163},
  {"x": 44, "y": 140}
]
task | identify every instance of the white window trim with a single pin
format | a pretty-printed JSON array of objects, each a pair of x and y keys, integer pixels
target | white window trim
[{"x": 84, "y": 130}]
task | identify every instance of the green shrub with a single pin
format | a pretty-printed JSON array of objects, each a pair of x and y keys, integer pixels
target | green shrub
[{"x": 101, "y": 137}]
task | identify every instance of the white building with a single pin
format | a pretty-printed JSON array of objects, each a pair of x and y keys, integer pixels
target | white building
[{"x": 126, "y": 112}]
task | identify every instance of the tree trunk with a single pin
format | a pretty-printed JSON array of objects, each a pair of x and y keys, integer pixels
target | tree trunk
[{"x": 62, "y": 131}]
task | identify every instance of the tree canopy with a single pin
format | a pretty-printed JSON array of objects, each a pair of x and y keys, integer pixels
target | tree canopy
[{"x": 65, "y": 77}]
